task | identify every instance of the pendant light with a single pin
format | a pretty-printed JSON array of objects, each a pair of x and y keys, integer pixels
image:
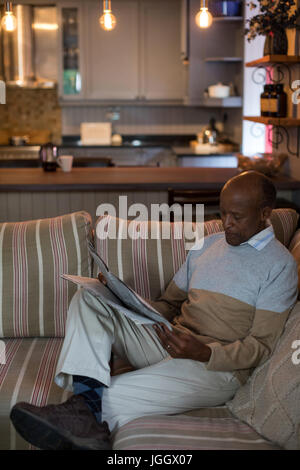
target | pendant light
[
  {"x": 107, "y": 20},
  {"x": 9, "y": 21},
  {"x": 204, "y": 18}
]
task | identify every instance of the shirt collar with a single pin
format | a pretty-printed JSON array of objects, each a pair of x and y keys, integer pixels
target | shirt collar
[{"x": 262, "y": 238}]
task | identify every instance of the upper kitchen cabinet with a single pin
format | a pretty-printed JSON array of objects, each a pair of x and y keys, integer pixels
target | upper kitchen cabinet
[
  {"x": 71, "y": 50},
  {"x": 214, "y": 55},
  {"x": 137, "y": 61},
  {"x": 161, "y": 70},
  {"x": 72, "y": 60},
  {"x": 112, "y": 56}
]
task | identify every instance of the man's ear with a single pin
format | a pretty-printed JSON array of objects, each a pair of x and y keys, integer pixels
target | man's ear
[{"x": 266, "y": 213}]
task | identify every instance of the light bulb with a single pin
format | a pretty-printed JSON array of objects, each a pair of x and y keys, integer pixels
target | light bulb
[
  {"x": 107, "y": 20},
  {"x": 9, "y": 21},
  {"x": 204, "y": 18}
]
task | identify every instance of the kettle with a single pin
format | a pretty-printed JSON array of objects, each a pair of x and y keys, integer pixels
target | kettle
[
  {"x": 210, "y": 134},
  {"x": 48, "y": 155}
]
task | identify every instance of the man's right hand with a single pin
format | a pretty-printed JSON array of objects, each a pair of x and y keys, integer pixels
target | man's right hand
[{"x": 102, "y": 278}]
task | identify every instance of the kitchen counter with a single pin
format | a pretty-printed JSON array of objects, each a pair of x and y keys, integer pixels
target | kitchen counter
[
  {"x": 136, "y": 150},
  {"x": 117, "y": 179},
  {"x": 179, "y": 145},
  {"x": 31, "y": 193},
  {"x": 134, "y": 141},
  {"x": 205, "y": 150}
]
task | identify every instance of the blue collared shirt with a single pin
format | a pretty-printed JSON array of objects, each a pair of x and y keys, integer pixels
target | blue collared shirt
[{"x": 262, "y": 238}]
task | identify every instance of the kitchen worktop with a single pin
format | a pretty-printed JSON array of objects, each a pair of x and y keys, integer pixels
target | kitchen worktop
[
  {"x": 179, "y": 144},
  {"x": 133, "y": 179},
  {"x": 135, "y": 141},
  {"x": 203, "y": 150}
]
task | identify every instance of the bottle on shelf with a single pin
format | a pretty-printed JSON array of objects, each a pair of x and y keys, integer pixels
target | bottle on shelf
[
  {"x": 265, "y": 101},
  {"x": 272, "y": 102},
  {"x": 281, "y": 99}
]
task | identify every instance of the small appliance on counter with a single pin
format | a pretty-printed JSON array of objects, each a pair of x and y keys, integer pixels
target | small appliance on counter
[
  {"x": 48, "y": 157},
  {"x": 95, "y": 133},
  {"x": 219, "y": 91},
  {"x": 18, "y": 140},
  {"x": 213, "y": 141}
]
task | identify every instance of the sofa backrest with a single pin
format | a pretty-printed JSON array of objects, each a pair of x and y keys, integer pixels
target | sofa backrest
[
  {"x": 33, "y": 298},
  {"x": 148, "y": 264}
]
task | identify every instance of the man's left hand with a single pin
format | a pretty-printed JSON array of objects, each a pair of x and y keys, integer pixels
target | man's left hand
[{"x": 182, "y": 344}]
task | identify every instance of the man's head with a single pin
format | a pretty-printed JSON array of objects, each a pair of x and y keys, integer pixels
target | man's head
[{"x": 246, "y": 203}]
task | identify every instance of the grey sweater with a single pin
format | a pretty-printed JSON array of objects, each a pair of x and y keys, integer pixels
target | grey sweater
[{"x": 236, "y": 299}]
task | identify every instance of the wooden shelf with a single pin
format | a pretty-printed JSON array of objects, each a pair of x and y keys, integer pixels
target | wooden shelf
[
  {"x": 224, "y": 59},
  {"x": 274, "y": 59},
  {"x": 230, "y": 102},
  {"x": 227, "y": 19},
  {"x": 284, "y": 122}
]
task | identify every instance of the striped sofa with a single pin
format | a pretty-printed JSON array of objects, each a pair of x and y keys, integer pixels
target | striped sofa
[{"x": 33, "y": 308}]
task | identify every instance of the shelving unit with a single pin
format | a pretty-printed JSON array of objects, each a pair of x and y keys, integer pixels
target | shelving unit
[{"x": 281, "y": 124}]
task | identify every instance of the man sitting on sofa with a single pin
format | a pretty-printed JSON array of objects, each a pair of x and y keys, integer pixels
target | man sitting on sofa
[{"x": 228, "y": 305}]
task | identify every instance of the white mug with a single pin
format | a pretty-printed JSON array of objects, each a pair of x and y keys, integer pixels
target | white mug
[{"x": 65, "y": 162}]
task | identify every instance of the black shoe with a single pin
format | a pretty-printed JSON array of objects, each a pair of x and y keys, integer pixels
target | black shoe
[{"x": 70, "y": 425}]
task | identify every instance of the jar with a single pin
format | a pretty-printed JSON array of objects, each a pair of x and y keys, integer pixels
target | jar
[
  {"x": 273, "y": 101},
  {"x": 281, "y": 99},
  {"x": 265, "y": 101}
]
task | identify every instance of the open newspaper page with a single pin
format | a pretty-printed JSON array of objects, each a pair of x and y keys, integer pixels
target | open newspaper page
[{"x": 118, "y": 295}]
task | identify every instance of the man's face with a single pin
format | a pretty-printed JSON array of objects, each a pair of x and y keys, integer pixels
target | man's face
[{"x": 241, "y": 214}]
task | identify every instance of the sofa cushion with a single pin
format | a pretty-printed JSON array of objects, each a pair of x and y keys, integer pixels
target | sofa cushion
[
  {"x": 148, "y": 264},
  {"x": 294, "y": 248},
  {"x": 33, "y": 298},
  {"x": 182, "y": 432},
  {"x": 269, "y": 401},
  {"x": 27, "y": 375}
]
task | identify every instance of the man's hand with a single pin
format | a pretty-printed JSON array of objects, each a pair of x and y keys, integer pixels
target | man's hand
[
  {"x": 102, "y": 279},
  {"x": 181, "y": 344}
]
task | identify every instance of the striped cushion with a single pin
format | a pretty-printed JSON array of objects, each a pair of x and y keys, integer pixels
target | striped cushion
[
  {"x": 27, "y": 375},
  {"x": 284, "y": 222},
  {"x": 148, "y": 265},
  {"x": 188, "y": 433},
  {"x": 294, "y": 248},
  {"x": 33, "y": 298},
  {"x": 269, "y": 401}
]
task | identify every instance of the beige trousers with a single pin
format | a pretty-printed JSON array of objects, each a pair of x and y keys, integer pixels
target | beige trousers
[{"x": 159, "y": 385}]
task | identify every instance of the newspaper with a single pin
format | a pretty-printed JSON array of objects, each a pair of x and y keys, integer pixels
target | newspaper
[{"x": 118, "y": 295}]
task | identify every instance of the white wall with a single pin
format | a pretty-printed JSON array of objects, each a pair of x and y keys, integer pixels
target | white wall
[{"x": 253, "y": 134}]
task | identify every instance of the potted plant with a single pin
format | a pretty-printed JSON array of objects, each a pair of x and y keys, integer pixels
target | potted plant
[{"x": 274, "y": 18}]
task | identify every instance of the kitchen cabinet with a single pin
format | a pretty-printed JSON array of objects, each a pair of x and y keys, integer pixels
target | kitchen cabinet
[
  {"x": 161, "y": 69},
  {"x": 112, "y": 56},
  {"x": 214, "y": 55},
  {"x": 70, "y": 50},
  {"x": 139, "y": 60}
]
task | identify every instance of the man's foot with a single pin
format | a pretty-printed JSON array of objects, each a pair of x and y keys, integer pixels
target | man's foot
[{"x": 70, "y": 425}]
